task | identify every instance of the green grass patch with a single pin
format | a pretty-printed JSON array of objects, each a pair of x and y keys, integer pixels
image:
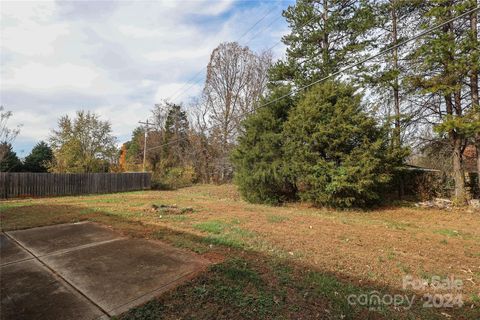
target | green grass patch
[
  {"x": 235, "y": 221},
  {"x": 454, "y": 233},
  {"x": 396, "y": 225},
  {"x": 88, "y": 210},
  {"x": 282, "y": 272},
  {"x": 273, "y": 218},
  {"x": 233, "y": 288},
  {"x": 475, "y": 298},
  {"x": 177, "y": 218},
  {"x": 181, "y": 241},
  {"x": 237, "y": 269},
  {"x": 224, "y": 234},
  {"x": 238, "y": 284},
  {"x": 447, "y": 232},
  {"x": 336, "y": 292},
  {"x": 234, "y": 237},
  {"x": 390, "y": 255},
  {"x": 405, "y": 269},
  {"x": 106, "y": 200},
  {"x": 9, "y": 205},
  {"x": 214, "y": 226},
  {"x": 224, "y": 240}
]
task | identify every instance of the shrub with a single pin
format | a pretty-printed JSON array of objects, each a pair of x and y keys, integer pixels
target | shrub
[
  {"x": 173, "y": 178},
  {"x": 335, "y": 151}
]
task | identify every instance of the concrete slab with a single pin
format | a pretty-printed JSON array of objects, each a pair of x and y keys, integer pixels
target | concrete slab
[
  {"x": 121, "y": 274},
  {"x": 11, "y": 252},
  {"x": 31, "y": 291},
  {"x": 45, "y": 240}
]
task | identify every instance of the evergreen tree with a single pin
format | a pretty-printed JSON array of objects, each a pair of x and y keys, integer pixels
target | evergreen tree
[
  {"x": 259, "y": 157},
  {"x": 441, "y": 64},
  {"x": 10, "y": 161},
  {"x": 396, "y": 20},
  {"x": 176, "y": 134},
  {"x": 38, "y": 160},
  {"x": 325, "y": 36},
  {"x": 337, "y": 154},
  {"x": 134, "y": 153}
]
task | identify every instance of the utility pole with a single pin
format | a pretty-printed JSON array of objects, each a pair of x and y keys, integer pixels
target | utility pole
[{"x": 146, "y": 124}]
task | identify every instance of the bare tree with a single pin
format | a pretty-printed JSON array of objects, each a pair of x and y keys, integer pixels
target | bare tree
[{"x": 236, "y": 79}]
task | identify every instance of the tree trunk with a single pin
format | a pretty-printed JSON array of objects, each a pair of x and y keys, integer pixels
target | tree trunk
[
  {"x": 396, "y": 139},
  {"x": 477, "y": 146},
  {"x": 396, "y": 91},
  {"x": 474, "y": 85},
  {"x": 458, "y": 173},
  {"x": 453, "y": 103},
  {"x": 326, "y": 41},
  {"x": 457, "y": 158}
]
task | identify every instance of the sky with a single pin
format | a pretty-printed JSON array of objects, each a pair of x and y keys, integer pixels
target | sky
[{"x": 117, "y": 58}]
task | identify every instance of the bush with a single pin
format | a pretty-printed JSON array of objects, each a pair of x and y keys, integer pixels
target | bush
[
  {"x": 325, "y": 150},
  {"x": 335, "y": 151},
  {"x": 173, "y": 178}
]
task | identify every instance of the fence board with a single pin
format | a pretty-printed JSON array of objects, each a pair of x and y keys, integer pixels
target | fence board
[{"x": 26, "y": 184}]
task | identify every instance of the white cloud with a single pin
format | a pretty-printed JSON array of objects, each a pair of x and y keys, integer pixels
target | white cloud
[
  {"x": 38, "y": 76},
  {"x": 183, "y": 54},
  {"x": 115, "y": 58},
  {"x": 203, "y": 7},
  {"x": 33, "y": 125},
  {"x": 124, "y": 117},
  {"x": 27, "y": 28},
  {"x": 27, "y": 12},
  {"x": 139, "y": 32},
  {"x": 31, "y": 39}
]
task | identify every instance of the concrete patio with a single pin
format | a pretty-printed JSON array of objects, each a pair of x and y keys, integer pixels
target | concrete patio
[{"x": 85, "y": 271}]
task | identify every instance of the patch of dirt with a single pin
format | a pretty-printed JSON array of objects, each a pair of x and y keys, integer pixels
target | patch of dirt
[{"x": 164, "y": 209}]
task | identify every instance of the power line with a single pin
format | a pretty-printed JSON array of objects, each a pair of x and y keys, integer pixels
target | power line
[
  {"x": 264, "y": 28},
  {"x": 205, "y": 67},
  {"x": 370, "y": 58},
  {"x": 175, "y": 95},
  {"x": 429, "y": 30},
  {"x": 256, "y": 23},
  {"x": 270, "y": 48},
  {"x": 168, "y": 143}
]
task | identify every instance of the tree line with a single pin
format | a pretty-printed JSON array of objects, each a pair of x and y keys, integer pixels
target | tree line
[
  {"x": 82, "y": 144},
  {"x": 193, "y": 143},
  {"x": 341, "y": 141}
]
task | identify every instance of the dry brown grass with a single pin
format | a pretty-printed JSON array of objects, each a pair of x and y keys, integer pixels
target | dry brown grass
[{"x": 374, "y": 247}]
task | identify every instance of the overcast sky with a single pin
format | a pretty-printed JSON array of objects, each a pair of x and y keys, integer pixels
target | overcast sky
[{"x": 116, "y": 58}]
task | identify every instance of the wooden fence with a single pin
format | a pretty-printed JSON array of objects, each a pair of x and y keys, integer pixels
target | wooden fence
[{"x": 20, "y": 184}]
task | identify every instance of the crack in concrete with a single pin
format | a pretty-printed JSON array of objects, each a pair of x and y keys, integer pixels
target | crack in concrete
[{"x": 58, "y": 276}]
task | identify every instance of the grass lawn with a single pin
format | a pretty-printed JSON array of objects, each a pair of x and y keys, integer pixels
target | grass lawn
[{"x": 283, "y": 262}]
